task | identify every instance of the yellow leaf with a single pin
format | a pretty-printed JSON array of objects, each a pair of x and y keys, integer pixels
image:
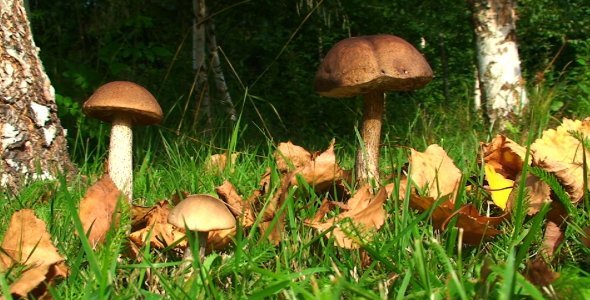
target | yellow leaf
[{"x": 500, "y": 187}]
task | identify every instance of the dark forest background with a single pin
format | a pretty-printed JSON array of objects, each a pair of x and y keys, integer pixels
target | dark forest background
[{"x": 270, "y": 51}]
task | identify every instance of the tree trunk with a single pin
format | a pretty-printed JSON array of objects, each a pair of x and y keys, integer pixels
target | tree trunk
[
  {"x": 32, "y": 138},
  {"x": 501, "y": 82},
  {"x": 199, "y": 62}
]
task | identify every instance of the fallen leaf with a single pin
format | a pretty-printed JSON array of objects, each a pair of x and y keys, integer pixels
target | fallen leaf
[
  {"x": 150, "y": 226},
  {"x": 322, "y": 172},
  {"x": 558, "y": 152},
  {"x": 27, "y": 242},
  {"x": 538, "y": 192},
  {"x": 97, "y": 209},
  {"x": 439, "y": 214},
  {"x": 539, "y": 273},
  {"x": 216, "y": 163},
  {"x": 290, "y": 157},
  {"x": 476, "y": 227},
  {"x": 241, "y": 209},
  {"x": 500, "y": 187},
  {"x": 585, "y": 239},
  {"x": 220, "y": 239},
  {"x": 504, "y": 155},
  {"x": 353, "y": 228},
  {"x": 433, "y": 171},
  {"x": 554, "y": 229}
]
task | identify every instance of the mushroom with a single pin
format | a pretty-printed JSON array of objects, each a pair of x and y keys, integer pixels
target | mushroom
[
  {"x": 124, "y": 104},
  {"x": 370, "y": 66},
  {"x": 201, "y": 213}
]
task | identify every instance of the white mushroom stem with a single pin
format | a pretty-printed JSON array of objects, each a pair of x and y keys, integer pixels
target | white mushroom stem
[
  {"x": 202, "y": 236},
  {"x": 120, "y": 156},
  {"x": 367, "y": 159}
]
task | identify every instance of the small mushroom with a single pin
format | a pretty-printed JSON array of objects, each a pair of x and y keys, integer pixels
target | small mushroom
[
  {"x": 370, "y": 66},
  {"x": 201, "y": 213},
  {"x": 123, "y": 104}
]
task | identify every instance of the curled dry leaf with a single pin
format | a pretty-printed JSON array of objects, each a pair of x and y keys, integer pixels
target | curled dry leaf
[
  {"x": 27, "y": 242},
  {"x": 97, "y": 209},
  {"x": 439, "y": 214},
  {"x": 539, "y": 273},
  {"x": 323, "y": 171},
  {"x": 504, "y": 155},
  {"x": 241, "y": 209},
  {"x": 216, "y": 163},
  {"x": 354, "y": 227},
  {"x": 434, "y": 171},
  {"x": 558, "y": 152},
  {"x": 475, "y": 226},
  {"x": 290, "y": 157},
  {"x": 150, "y": 225},
  {"x": 538, "y": 192},
  {"x": 554, "y": 229}
]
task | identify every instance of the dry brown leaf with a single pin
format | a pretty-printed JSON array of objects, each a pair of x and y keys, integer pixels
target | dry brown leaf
[
  {"x": 434, "y": 171},
  {"x": 241, "y": 209},
  {"x": 539, "y": 273},
  {"x": 554, "y": 229},
  {"x": 538, "y": 193},
  {"x": 27, "y": 242},
  {"x": 216, "y": 163},
  {"x": 401, "y": 192},
  {"x": 152, "y": 223},
  {"x": 322, "y": 172},
  {"x": 352, "y": 228},
  {"x": 504, "y": 155},
  {"x": 220, "y": 239},
  {"x": 439, "y": 214},
  {"x": 558, "y": 152},
  {"x": 97, "y": 209},
  {"x": 274, "y": 233},
  {"x": 585, "y": 239},
  {"x": 290, "y": 157},
  {"x": 475, "y": 226}
]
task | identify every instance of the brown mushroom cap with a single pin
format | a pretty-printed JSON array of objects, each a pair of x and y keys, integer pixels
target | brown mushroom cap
[
  {"x": 123, "y": 98},
  {"x": 360, "y": 65},
  {"x": 202, "y": 213}
]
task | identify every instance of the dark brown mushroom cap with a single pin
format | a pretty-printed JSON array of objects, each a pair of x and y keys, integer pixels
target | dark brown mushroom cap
[
  {"x": 123, "y": 98},
  {"x": 360, "y": 65}
]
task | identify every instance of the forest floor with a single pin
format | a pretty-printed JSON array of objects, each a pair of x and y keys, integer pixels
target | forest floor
[{"x": 294, "y": 240}]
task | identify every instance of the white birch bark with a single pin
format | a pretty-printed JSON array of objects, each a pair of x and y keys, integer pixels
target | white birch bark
[
  {"x": 32, "y": 140},
  {"x": 501, "y": 83}
]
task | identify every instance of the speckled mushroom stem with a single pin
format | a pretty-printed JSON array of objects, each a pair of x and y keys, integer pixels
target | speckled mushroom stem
[
  {"x": 120, "y": 156},
  {"x": 367, "y": 159}
]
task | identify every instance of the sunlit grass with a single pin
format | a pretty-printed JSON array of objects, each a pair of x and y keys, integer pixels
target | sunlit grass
[{"x": 407, "y": 259}]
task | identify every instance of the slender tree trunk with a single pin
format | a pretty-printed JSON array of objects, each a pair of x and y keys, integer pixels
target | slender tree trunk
[
  {"x": 32, "y": 139},
  {"x": 501, "y": 82},
  {"x": 199, "y": 61},
  {"x": 218, "y": 72}
]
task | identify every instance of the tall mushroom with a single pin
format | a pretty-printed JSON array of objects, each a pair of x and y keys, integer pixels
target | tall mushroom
[
  {"x": 201, "y": 213},
  {"x": 124, "y": 104},
  {"x": 370, "y": 66}
]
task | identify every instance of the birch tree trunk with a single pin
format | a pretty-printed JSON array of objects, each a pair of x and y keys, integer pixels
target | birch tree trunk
[
  {"x": 501, "y": 83},
  {"x": 32, "y": 139}
]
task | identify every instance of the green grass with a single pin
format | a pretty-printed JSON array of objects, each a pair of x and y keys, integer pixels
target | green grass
[{"x": 408, "y": 259}]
